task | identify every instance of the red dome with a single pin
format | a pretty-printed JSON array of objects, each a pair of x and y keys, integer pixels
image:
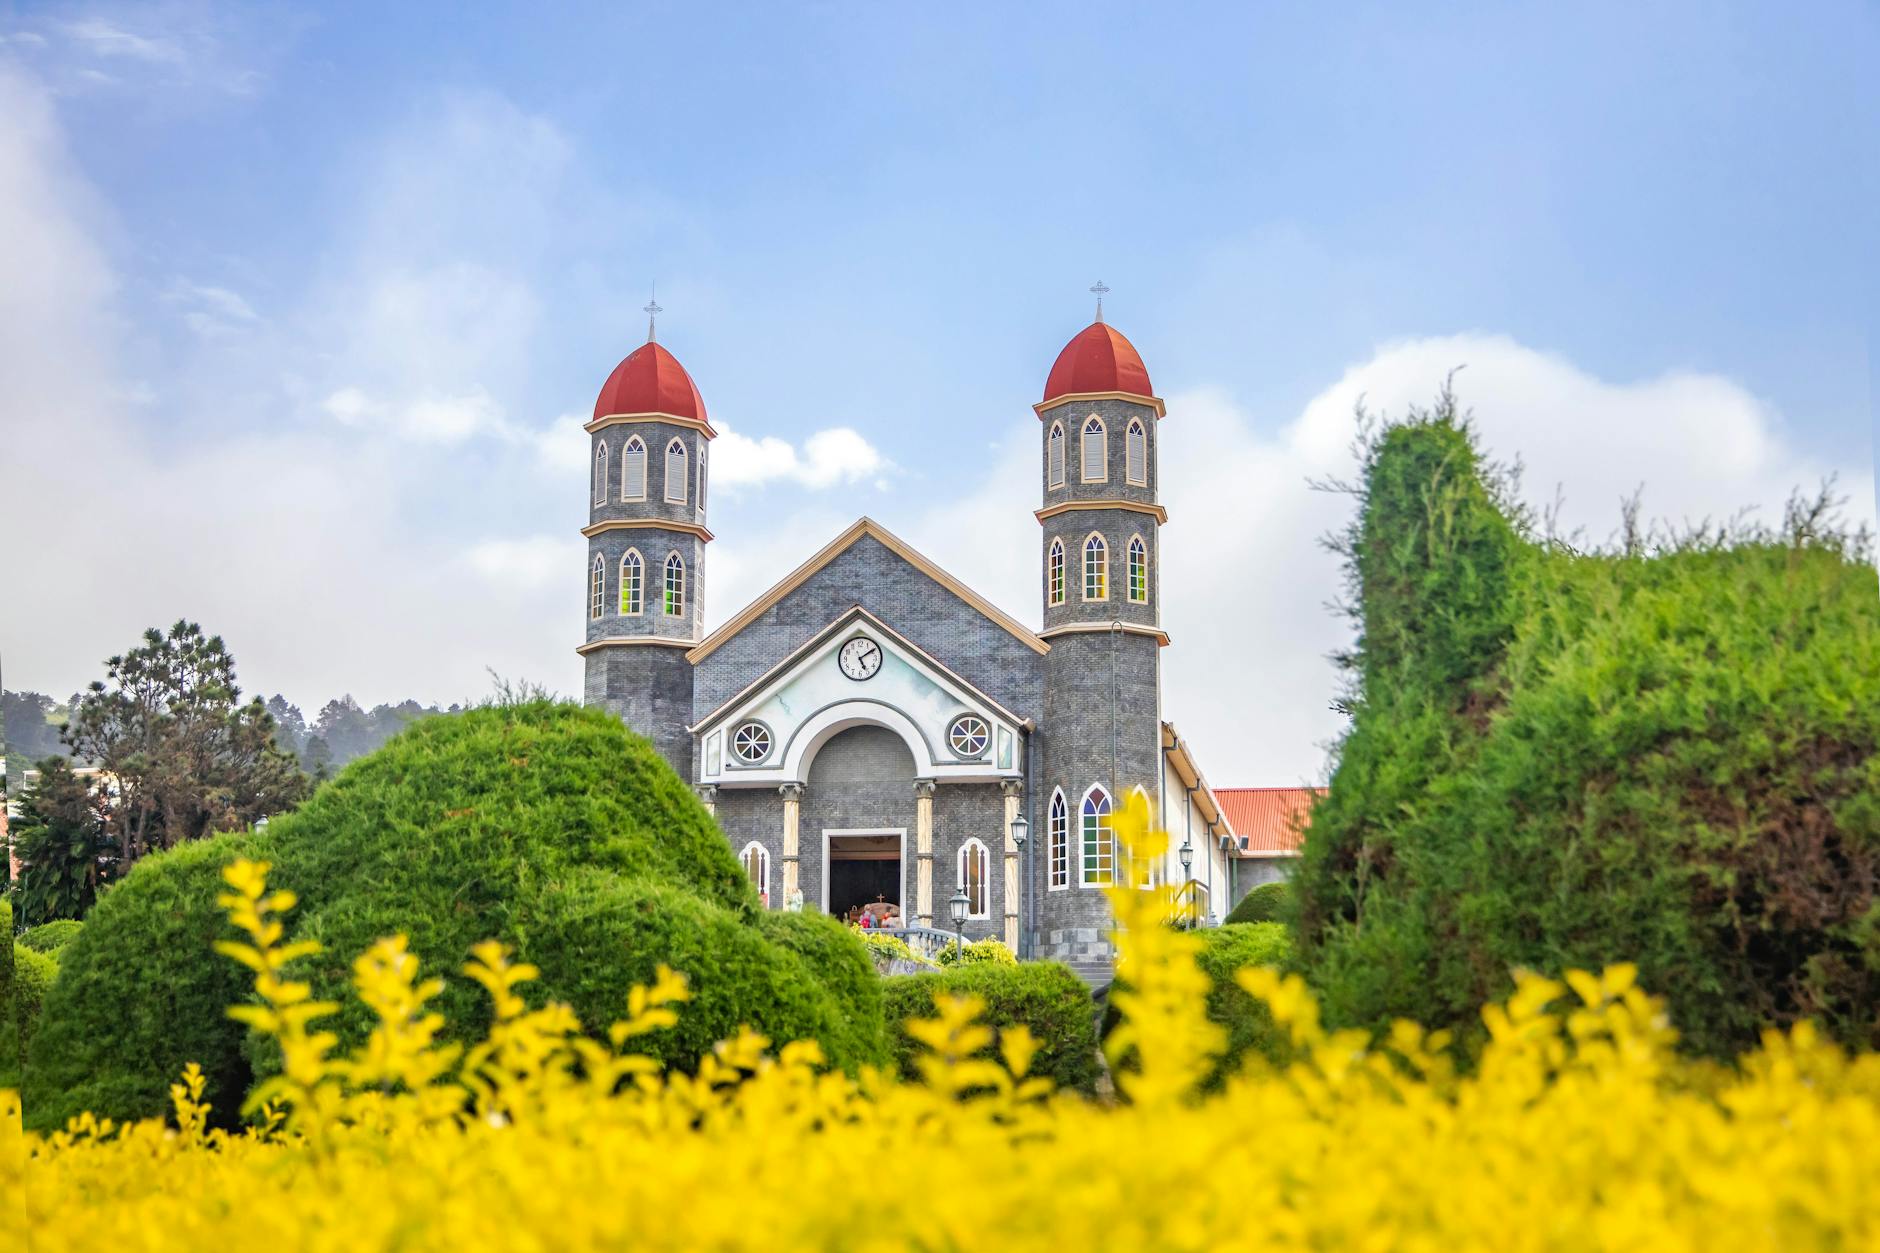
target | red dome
[
  {"x": 1098, "y": 359},
  {"x": 650, "y": 380}
]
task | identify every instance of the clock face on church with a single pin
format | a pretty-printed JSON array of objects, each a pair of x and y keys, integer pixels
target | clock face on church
[{"x": 860, "y": 658}]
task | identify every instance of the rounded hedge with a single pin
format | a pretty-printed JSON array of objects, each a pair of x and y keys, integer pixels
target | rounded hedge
[
  {"x": 33, "y": 975},
  {"x": 1046, "y": 997},
  {"x": 1270, "y": 902},
  {"x": 50, "y": 937},
  {"x": 547, "y": 826}
]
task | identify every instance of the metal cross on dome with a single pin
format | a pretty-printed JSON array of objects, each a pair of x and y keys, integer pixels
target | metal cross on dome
[
  {"x": 1099, "y": 289},
  {"x": 652, "y": 311}
]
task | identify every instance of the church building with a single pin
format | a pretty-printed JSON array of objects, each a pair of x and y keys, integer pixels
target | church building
[{"x": 871, "y": 730}]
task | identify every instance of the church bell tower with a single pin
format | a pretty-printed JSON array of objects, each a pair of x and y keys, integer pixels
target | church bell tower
[
  {"x": 1100, "y": 524},
  {"x": 646, "y": 534}
]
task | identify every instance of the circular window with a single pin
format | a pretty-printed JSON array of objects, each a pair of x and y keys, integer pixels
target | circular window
[
  {"x": 969, "y": 736},
  {"x": 751, "y": 742}
]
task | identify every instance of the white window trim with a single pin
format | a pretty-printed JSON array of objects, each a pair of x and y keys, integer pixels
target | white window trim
[
  {"x": 600, "y": 472},
  {"x": 1157, "y": 874},
  {"x": 1057, "y": 591},
  {"x": 959, "y": 862},
  {"x": 1083, "y": 567},
  {"x": 1054, "y": 464},
  {"x": 626, "y": 449},
  {"x": 1058, "y": 804},
  {"x": 701, "y": 479},
  {"x": 597, "y": 588},
  {"x": 1129, "y": 588},
  {"x": 1103, "y": 451},
  {"x": 899, "y": 833},
  {"x": 1083, "y": 865},
  {"x": 665, "y": 602},
  {"x": 1132, "y": 433},
  {"x": 685, "y": 468},
  {"x": 762, "y": 883},
  {"x": 633, "y": 554}
]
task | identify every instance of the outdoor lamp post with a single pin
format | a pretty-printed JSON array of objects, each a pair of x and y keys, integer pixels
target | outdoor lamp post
[
  {"x": 1188, "y": 878},
  {"x": 957, "y": 905},
  {"x": 1021, "y": 831}
]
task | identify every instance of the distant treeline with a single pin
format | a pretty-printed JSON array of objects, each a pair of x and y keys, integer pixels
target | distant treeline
[{"x": 342, "y": 731}]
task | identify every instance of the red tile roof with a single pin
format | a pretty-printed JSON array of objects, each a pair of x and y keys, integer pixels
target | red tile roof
[
  {"x": 1269, "y": 820},
  {"x": 650, "y": 380},
  {"x": 1098, "y": 359}
]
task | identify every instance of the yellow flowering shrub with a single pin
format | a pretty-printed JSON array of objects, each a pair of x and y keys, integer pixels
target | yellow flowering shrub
[{"x": 1578, "y": 1128}]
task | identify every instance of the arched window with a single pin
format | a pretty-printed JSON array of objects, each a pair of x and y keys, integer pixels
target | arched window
[
  {"x": 600, "y": 473},
  {"x": 1154, "y": 874},
  {"x": 633, "y": 470},
  {"x": 1055, "y": 572},
  {"x": 1099, "y": 840},
  {"x": 975, "y": 870},
  {"x": 632, "y": 582},
  {"x": 1096, "y": 568},
  {"x": 756, "y": 861},
  {"x": 1136, "y": 453},
  {"x": 1096, "y": 451},
  {"x": 1138, "y": 571},
  {"x": 1058, "y": 842},
  {"x": 675, "y": 471},
  {"x": 701, "y": 478},
  {"x": 1054, "y": 455},
  {"x": 597, "y": 587},
  {"x": 675, "y": 586}
]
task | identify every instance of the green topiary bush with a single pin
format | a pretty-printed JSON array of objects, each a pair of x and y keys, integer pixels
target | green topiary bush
[
  {"x": 50, "y": 937},
  {"x": 1270, "y": 902},
  {"x": 1046, "y": 997},
  {"x": 1666, "y": 752},
  {"x": 1250, "y": 1028},
  {"x": 548, "y": 826},
  {"x": 141, "y": 994},
  {"x": 33, "y": 973}
]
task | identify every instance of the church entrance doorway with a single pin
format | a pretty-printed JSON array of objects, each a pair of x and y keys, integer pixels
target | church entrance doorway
[{"x": 862, "y": 875}]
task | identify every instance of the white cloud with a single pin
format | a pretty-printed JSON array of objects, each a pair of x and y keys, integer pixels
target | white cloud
[
  {"x": 838, "y": 455},
  {"x": 538, "y": 563},
  {"x": 211, "y": 312},
  {"x": 108, "y": 39}
]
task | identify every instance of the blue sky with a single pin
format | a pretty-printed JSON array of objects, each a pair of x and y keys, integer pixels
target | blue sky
[{"x": 342, "y": 274}]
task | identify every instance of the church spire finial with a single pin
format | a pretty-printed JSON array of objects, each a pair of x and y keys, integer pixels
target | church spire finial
[
  {"x": 652, "y": 312},
  {"x": 1099, "y": 289}
]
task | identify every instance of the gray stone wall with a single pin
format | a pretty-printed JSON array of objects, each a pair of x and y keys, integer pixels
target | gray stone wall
[
  {"x": 649, "y": 687},
  {"x": 1085, "y": 676},
  {"x": 1116, "y": 416},
  {"x": 961, "y": 638},
  {"x": 964, "y": 811},
  {"x": 653, "y": 544},
  {"x": 656, "y": 435},
  {"x": 861, "y": 778},
  {"x": 1116, "y": 526}
]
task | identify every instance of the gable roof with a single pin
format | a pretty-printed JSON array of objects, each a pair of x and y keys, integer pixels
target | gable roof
[
  {"x": 1270, "y": 821},
  {"x": 855, "y": 613},
  {"x": 865, "y": 526}
]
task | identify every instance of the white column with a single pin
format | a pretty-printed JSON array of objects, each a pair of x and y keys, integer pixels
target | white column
[
  {"x": 792, "y": 814},
  {"x": 708, "y": 797},
  {"x": 923, "y": 849}
]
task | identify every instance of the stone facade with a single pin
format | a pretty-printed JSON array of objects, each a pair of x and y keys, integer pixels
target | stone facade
[{"x": 968, "y": 720}]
